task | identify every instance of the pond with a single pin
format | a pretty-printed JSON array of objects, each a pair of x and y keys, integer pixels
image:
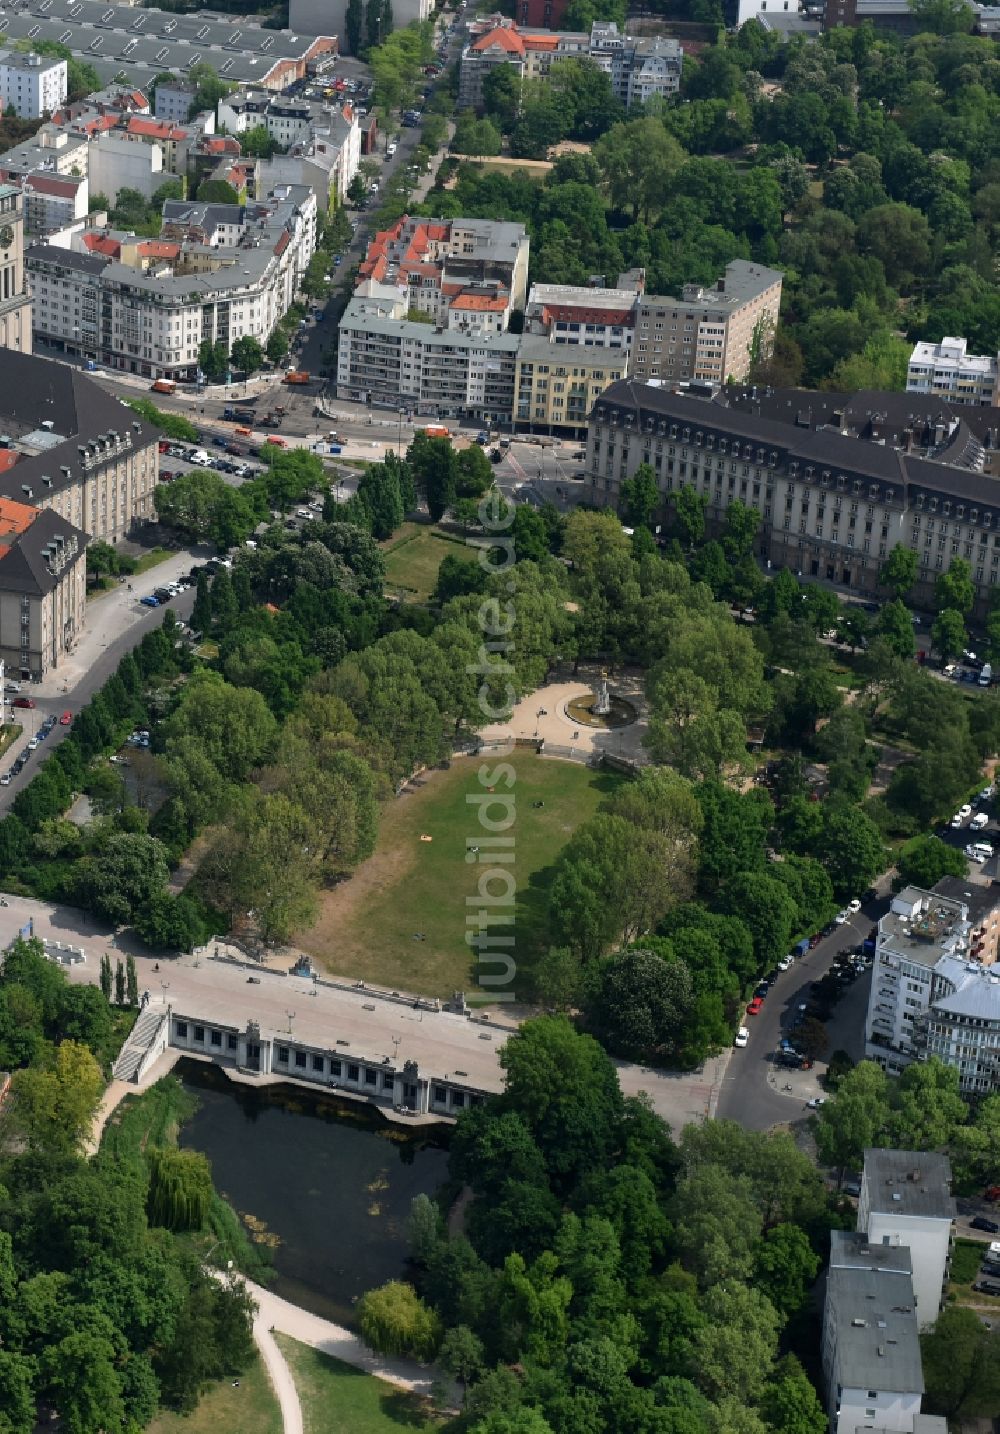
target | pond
[{"x": 325, "y": 1183}]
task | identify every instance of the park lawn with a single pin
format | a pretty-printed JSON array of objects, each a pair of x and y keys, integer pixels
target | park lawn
[
  {"x": 337, "y": 1399},
  {"x": 250, "y": 1409},
  {"x": 152, "y": 558},
  {"x": 367, "y": 924},
  {"x": 413, "y": 556}
]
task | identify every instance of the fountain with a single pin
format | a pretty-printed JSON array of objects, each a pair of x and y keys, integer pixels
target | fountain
[{"x": 601, "y": 709}]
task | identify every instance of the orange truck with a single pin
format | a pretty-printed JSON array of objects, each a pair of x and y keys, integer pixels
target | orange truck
[
  {"x": 276, "y": 441},
  {"x": 164, "y": 385},
  {"x": 297, "y": 375},
  {"x": 437, "y": 430}
]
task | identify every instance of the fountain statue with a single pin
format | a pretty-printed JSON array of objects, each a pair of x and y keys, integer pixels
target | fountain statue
[{"x": 602, "y": 702}]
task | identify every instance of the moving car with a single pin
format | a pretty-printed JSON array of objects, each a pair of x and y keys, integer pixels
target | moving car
[
  {"x": 742, "y": 1036},
  {"x": 23, "y": 702},
  {"x": 65, "y": 719}
]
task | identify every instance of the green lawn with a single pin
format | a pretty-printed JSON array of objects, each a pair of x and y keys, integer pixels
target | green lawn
[
  {"x": 150, "y": 559},
  {"x": 366, "y": 925},
  {"x": 966, "y": 1258},
  {"x": 413, "y": 556},
  {"x": 337, "y": 1399},
  {"x": 249, "y": 1409}
]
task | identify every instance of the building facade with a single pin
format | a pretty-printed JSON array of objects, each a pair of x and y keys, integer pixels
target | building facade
[
  {"x": 709, "y": 335},
  {"x": 838, "y": 480},
  {"x": 15, "y": 301},
  {"x": 32, "y": 85},
  {"x": 329, "y": 17},
  {"x": 146, "y": 305},
  {"x": 935, "y": 991},
  {"x": 557, "y": 386},
  {"x": 906, "y": 1201},
  {"x": 947, "y": 370}
]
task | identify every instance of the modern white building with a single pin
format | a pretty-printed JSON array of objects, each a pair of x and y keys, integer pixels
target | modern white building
[
  {"x": 585, "y": 317},
  {"x": 906, "y": 1200},
  {"x": 948, "y": 370},
  {"x": 217, "y": 273},
  {"x": 53, "y": 201},
  {"x": 32, "y": 85},
  {"x": 935, "y": 987}
]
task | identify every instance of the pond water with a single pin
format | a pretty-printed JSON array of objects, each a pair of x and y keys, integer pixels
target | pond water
[{"x": 327, "y": 1184}]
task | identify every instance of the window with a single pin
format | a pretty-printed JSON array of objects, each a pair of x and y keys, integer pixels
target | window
[
  {"x": 353, "y": 1072},
  {"x": 300, "y": 1059},
  {"x": 199, "y": 1033},
  {"x": 283, "y": 1054},
  {"x": 232, "y": 1043},
  {"x": 371, "y": 1077},
  {"x": 182, "y": 1029},
  {"x": 216, "y": 1038},
  {"x": 334, "y": 1068},
  {"x": 317, "y": 1064}
]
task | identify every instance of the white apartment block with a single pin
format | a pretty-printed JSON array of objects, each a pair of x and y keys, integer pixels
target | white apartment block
[
  {"x": 53, "y": 201},
  {"x": 906, "y": 1200},
  {"x": 948, "y": 370},
  {"x": 389, "y": 361},
  {"x": 585, "y": 317},
  {"x": 34, "y": 85},
  {"x": 708, "y": 335},
  {"x": 217, "y": 273},
  {"x": 935, "y": 991},
  {"x": 870, "y": 1344},
  {"x": 172, "y": 101}
]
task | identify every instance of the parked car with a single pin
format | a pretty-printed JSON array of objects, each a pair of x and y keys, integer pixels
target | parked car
[
  {"x": 987, "y": 1287},
  {"x": 742, "y": 1037},
  {"x": 754, "y": 1007},
  {"x": 980, "y": 1222},
  {"x": 816, "y": 1102},
  {"x": 150, "y": 601},
  {"x": 23, "y": 702},
  {"x": 65, "y": 719}
]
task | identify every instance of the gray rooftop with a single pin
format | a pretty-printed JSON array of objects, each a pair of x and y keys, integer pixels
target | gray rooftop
[
  {"x": 938, "y": 928},
  {"x": 877, "y": 1342},
  {"x": 362, "y": 313},
  {"x": 980, "y": 900},
  {"x": 538, "y": 347},
  {"x": 909, "y": 1182},
  {"x": 850, "y": 1250},
  {"x": 975, "y": 991},
  {"x": 742, "y": 282},
  {"x": 22, "y": 60},
  {"x": 115, "y": 37}
]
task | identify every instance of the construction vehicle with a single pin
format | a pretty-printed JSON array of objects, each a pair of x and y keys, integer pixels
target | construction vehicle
[
  {"x": 163, "y": 385},
  {"x": 239, "y": 415},
  {"x": 296, "y": 375}
]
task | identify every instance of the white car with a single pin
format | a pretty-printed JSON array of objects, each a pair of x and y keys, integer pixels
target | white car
[
  {"x": 784, "y": 963},
  {"x": 742, "y": 1036},
  {"x": 816, "y": 1102},
  {"x": 391, "y": 150},
  {"x": 985, "y": 794},
  {"x": 965, "y": 812},
  {"x": 5, "y": 780},
  {"x": 854, "y": 906},
  {"x": 957, "y": 820},
  {"x": 33, "y": 744},
  {"x": 842, "y": 916}
]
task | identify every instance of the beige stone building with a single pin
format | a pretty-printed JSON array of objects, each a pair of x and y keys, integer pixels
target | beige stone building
[
  {"x": 708, "y": 335},
  {"x": 15, "y": 302},
  {"x": 43, "y": 578},
  {"x": 556, "y": 385}
]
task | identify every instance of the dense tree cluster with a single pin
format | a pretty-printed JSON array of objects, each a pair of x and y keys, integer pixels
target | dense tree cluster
[{"x": 607, "y": 1279}]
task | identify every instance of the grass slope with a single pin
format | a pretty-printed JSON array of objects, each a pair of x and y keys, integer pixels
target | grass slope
[
  {"x": 367, "y": 924},
  {"x": 252, "y": 1408},
  {"x": 337, "y": 1399}
]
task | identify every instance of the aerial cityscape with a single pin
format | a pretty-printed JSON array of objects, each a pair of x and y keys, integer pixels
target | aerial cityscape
[{"x": 500, "y": 717}]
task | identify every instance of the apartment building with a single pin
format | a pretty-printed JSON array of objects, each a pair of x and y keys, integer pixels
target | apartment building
[
  {"x": 218, "y": 272},
  {"x": 838, "y": 479},
  {"x": 173, "y": 100},
  {"x": 947, "y": 370},
  {"x": 53, "y": 201},
  {"x": 589, "y": 317},
  {"x": 870, "y": 1347},
  {"x": 906, "y": 1202},
  {"x": 557, "y": 386},
  {"x": 439, "y": 263},
  {"x": 639, "y": 67},
  {"x": 325, "y": 158},
  {"x": 389, "y": 361},
  {"x": 43, "y": 588},
  {"x": 32, "y": 85},
  {"x": 708, "y": 335}
]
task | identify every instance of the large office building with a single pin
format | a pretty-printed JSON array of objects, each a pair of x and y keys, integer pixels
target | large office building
[
  {"x": 15, "y": 301},
  {"x": 217, "y": 273},
  {"x": 838, "y": 479},
  {"x": 947, "y": 370},
  {"x": 708, "y": 335}
]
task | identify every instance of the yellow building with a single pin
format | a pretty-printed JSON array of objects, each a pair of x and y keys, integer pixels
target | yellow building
[{"x": 556, "y": 385}]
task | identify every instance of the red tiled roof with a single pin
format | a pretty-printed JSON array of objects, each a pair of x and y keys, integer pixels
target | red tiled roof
[
  {"x": 579, "y": 314},
  {"x": 154, "y": 128},
  {"x": 15, "y": 518},
  {"x": 506, "y": 40},
  {"x": 102, "y": 244},
  {"x": 481, "y": 303},
  {"x": 158, "y": 249}
]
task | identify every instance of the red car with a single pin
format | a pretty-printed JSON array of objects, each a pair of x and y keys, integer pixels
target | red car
[
  {"x": 23, "y": 702},
  {"x": 754, "y": 1007},
  {"x": 65, "y": 719},
  {"x": 992, "y": 1192}
]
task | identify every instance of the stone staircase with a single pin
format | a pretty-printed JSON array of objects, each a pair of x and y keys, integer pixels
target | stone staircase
[{"x": 144, "y": 1033}]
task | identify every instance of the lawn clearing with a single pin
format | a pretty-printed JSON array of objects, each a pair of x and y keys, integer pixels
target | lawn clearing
[
  {"x": 337, "y": 1399},
  {"x": 413, "y": 556},
  {"x": 250, "y": 1409},
  {"x": 367, "y": 925},
  {"x": 152, "y": 558}
]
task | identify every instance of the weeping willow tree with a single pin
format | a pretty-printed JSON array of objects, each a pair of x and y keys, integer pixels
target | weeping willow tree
[{"x": 180, "y": 1188}]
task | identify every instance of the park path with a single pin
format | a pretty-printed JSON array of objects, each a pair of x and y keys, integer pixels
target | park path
[
  {"x": 277, "y": 1371},
  {"x": 274, "y": 1313}
]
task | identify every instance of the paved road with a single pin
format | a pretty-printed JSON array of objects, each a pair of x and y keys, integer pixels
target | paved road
[
  {"x": 753, "y": 1091},
  {"x": 116, "y": 623}
]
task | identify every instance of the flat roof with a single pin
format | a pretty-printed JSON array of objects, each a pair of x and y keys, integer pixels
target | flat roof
[
  {"x": 908, "y": 1182},
  {"x": 877, "y": 1342},
  {"x": 851, "y": 1250},
  {"x": 922, "y": 927}
]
